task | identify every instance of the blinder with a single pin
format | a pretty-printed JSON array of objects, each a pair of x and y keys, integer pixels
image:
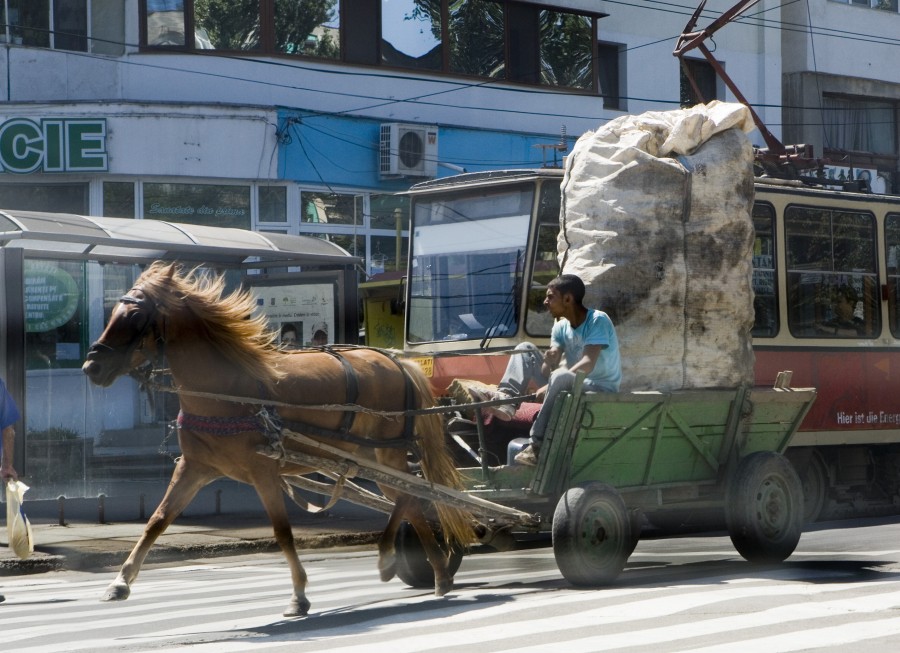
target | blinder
[{"x": 150, "y": 310}]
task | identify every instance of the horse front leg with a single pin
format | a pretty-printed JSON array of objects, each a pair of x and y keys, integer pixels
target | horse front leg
[
  {"x": 187, "y": 479},
  {"x": 270, "y": 493}
]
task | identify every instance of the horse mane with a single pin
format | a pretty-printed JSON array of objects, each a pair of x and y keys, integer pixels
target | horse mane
[{"x": 224, "y": 321}]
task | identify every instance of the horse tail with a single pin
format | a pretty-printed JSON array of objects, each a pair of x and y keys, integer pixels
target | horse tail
[{"x": 437, "y": 463}]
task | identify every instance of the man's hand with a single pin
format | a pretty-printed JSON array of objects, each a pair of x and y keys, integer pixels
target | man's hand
[
  {"x": 540, "y": 393},
  {"x": 7, "y": 473},
  {"x": 551, "y": 360}
]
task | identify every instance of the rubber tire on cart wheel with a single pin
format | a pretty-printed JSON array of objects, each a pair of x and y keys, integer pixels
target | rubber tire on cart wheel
[
  {"x": 815, "y": 488},
  {"x": 592, "y": 534},
  {"x": 764, "y": 507},
  {"x": 413, "y": 567}
]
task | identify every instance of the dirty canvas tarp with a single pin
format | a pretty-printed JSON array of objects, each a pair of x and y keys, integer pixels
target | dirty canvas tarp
[{"x": 656, "y": 219}]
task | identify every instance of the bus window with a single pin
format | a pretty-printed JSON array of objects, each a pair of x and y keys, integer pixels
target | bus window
[
  {"x": 468, "y": 259},
  {"x": 538, "y": 322},
  {"x": 765, "y": 297},
  {"x": 832, "y": 281},
  {"x": 892, "y": 256}
]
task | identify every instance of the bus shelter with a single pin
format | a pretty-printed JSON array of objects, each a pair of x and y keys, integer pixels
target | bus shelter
[{"x": 62, "y": 277}]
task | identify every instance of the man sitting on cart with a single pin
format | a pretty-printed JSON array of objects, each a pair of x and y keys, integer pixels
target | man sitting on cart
[{"x": 585, "y": 336}]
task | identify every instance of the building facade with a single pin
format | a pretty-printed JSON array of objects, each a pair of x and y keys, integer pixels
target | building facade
[{"x": 308, "y": 116}]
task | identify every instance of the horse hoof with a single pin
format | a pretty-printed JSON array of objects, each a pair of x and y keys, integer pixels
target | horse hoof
[
  {"x": 299, "y": 607},
  {"x": 442, "y": 587},
  {"x": 387, "y": 568},
  {"x": 117, "y": 592}
]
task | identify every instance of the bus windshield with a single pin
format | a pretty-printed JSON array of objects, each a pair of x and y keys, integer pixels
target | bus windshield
[{"x": 468, "y": 257}]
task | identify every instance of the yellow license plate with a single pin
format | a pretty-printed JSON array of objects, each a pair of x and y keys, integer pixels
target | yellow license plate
[{"x": 426, "y": 363}]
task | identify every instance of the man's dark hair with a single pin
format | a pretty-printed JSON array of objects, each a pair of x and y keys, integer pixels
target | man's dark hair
[{"x": 569, "y": 284}]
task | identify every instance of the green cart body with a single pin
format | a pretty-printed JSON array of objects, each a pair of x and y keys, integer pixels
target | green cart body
[{"x": 607, "y": 459}]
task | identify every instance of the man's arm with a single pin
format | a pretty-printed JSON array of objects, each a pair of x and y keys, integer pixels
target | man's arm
[
  {"x": 6, "y": 469},
  {"x": 589, "y": 358}
]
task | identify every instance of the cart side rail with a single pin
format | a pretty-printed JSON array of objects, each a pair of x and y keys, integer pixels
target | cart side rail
[{"x": 661, "y": 439}]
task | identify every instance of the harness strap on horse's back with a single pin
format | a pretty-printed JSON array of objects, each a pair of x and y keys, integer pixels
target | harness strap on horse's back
[
  {"x": 352, "y": 392},
  {"x": 268, "y": 421}
]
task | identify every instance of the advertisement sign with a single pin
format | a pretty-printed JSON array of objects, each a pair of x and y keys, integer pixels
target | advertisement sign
[
  {"x": 51, "y": 296},
  {"x": 53, "y": 145},
  {"x": 302, "y": 314}
]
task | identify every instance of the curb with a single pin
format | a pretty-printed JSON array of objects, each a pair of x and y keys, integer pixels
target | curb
[{"x": 67, "y": 558}]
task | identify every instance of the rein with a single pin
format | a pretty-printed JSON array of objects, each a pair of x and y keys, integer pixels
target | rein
[{"x": 269, "y": 422}]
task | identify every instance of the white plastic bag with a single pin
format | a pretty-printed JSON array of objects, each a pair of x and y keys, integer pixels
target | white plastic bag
[{"x": 21, "y": 539}]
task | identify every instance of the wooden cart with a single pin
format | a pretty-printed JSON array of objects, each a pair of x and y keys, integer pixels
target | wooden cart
[{"x": 607, "y": 459}]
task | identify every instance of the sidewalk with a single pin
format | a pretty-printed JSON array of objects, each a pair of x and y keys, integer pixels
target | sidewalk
[{"x": 94, "y": 546}]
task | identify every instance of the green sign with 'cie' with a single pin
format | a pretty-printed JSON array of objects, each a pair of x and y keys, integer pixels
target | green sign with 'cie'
[{"x": 53, "y": 145}]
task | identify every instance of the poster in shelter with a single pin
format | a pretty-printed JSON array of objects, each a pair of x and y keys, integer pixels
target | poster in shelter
[{"x": 302, "y": 314}]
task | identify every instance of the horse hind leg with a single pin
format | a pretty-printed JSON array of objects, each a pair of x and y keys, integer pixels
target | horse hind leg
[
  {"x": 270, "y": 493},
  {"x": 410, "y": 508},
  {"x": 387, "y": 553},
  {"x": 187, "y": 479},
  {"x": 439, "y": 560}
]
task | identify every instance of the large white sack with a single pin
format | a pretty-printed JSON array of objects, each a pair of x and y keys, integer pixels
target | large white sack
[{"x": 656, "y": 219}]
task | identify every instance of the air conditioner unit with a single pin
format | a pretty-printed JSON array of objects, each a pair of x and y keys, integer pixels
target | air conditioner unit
[{"x": 408, "y": 150}]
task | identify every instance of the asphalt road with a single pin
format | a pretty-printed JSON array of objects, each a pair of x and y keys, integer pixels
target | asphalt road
[{"x": 840, "y": 591}]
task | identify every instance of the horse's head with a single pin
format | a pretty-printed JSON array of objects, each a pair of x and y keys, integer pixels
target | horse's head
[{"x": 133, "y": 330}]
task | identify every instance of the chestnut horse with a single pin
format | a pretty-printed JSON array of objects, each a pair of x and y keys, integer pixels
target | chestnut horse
[{"x": 218, "y": 353}]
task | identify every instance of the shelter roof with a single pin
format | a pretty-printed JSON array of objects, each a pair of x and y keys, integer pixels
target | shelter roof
[{"x": 122, "y": 240}]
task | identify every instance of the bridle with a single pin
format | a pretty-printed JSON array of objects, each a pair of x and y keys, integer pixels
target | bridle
[{"x": 150, "y": 308}]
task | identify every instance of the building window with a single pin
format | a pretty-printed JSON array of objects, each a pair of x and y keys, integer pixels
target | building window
[
  {"x": 496, "y": 39},
  {"x": 858, "y": 125},
  {"x": 883, "y": 5},
  {"x": 273, "y": 204},
  {"x": 54, "y": 198},
  {"x": 476, "y": 38},
  {"x": 609, "y": 64},
  {"x": 203, "y": 204},
  {"x": 118, "y": 199},
  {"x": 310, "y": 29},
  {"x": 96, "y": 26},
  {"x": 410, "y": 35},
  {"x": 705, "y": 87}
]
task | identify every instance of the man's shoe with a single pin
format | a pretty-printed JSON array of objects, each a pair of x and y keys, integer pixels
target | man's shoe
[
  {"x": 2, "y": 598},
  {"x": 528, "y": 456},
  {"x": 503, "y": 412},
  {"x": 481, "y": 392}
]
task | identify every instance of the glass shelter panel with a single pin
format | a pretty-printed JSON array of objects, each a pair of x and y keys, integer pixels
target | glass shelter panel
[
  {"x": 832, "y": 279},
  {"x": 467, "y": 265},
  {"x": 80, "y": 439}
]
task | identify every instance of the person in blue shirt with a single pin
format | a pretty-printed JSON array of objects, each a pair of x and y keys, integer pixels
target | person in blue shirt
[
  {"x": 9, "y": 415},
  {"x": 584, "y": 337}
]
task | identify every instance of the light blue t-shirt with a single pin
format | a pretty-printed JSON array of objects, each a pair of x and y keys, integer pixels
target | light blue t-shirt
[{"x": 597, "y": 329}]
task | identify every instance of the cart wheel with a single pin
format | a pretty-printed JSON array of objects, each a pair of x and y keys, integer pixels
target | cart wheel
[
  {"x": 636, "y": 520},
  {"x": 815, "y": 488},
  {"x": 592, "y": 534},
  {"x": 764, "y": 507},
  {"x": 413, "y": 567}
]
